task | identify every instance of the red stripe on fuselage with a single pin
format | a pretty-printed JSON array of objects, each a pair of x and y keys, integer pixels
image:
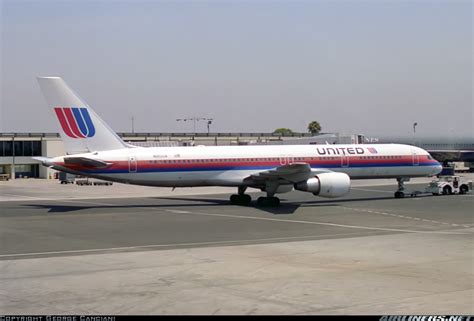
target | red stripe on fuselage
[{"x": 312, "y": 161}]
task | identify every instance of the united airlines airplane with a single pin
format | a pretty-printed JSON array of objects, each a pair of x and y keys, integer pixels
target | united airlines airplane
[{"x": 95, "y": 150}]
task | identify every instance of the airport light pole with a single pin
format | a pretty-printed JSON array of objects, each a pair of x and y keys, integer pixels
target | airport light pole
[
  {"x": 195, "y": 119},
  {"x": 133, "y": 127},
  {"x": 13, "y": 171},
  {"x": 209, "y": 122},
  {"x": 414, "y": 131}
]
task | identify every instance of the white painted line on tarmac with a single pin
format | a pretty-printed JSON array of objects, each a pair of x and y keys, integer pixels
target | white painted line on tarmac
[
  {"x": 371, "y": 190},
  {"x": 85, "y": 202},
  {"x": 299, "y": 221},
  {"x": 178, "y": 211},
  {"x": 24, "y": 198},
  {"x": 328, "y": 224},
  {"x": 403, "y": 216},
  {"x": 138, "y": 247},
  {"x": 19, "y": 197},
  {"x": 307, "y": 222}
]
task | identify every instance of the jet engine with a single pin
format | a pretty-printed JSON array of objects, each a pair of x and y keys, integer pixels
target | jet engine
[{"x": 326, "y": 185}]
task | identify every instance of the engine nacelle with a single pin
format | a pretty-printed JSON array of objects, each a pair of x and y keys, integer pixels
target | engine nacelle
[{"x": 326, "y": 185}]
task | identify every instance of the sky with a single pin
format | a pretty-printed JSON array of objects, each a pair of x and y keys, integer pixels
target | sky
[{"x": 368, "y": 67}]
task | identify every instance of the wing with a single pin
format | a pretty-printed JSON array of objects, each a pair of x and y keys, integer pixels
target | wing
[{"x": 286, "y": 174}]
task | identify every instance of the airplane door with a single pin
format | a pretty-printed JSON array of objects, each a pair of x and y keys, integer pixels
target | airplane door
[
  {"x": 416, "y": 159},
  {"x": 282, "y": 160},
  {"x": 132, "y": 164},
  {"x": 345, "y": 161}
]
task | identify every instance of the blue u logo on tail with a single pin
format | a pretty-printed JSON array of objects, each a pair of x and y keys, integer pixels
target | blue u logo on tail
[{"x": 75, "y": 121}]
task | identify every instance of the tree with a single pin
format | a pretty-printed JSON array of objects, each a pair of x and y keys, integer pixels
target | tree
[
  {"x": 283, "y": 131},
  {"x": 314, "y": 127}
]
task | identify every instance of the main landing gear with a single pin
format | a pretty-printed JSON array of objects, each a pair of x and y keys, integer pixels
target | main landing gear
[
  {"x": 241, "y": 198},
  {"x": 244, "y": 199},
  {"x": 270, "y": 199},
  {"x": 400, "y": 193}
]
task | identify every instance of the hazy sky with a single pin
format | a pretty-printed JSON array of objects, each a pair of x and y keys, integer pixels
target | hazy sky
[{"x": 371, "y": 67}]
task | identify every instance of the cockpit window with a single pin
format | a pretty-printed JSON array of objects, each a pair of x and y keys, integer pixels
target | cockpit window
[{"x": 430, "y": 157}]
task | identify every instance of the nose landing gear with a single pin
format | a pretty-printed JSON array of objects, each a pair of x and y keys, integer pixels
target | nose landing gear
[{"x": 400, "y": 193}]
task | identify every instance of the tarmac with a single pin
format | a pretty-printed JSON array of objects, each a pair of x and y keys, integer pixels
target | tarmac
[{"x": 136, "y": 250}]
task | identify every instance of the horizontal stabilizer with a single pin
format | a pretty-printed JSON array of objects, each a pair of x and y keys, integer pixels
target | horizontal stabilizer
[
  {"x": 87, "y": 162},
  {"x": 44, "y": 160}
]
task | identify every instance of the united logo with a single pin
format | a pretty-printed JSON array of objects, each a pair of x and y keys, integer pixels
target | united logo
[{"x": 75, "y": 121}]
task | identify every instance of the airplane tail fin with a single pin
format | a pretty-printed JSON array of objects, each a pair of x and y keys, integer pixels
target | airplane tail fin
[{"x": 81, "y": 129}]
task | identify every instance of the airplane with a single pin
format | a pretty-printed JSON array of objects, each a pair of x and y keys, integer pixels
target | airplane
[{"x": 95, "y": 150}]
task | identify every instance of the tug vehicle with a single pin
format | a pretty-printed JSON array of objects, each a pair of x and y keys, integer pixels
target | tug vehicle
[{"x": 449, "y": 184}]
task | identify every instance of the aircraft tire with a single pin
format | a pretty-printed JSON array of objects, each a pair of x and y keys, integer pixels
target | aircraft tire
[
  {"x": 240, "y": 199},
  {"x": 399, "y": 194}
]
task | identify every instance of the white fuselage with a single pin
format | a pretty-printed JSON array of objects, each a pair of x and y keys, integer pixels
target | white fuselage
[{"x": 230, "y": 165}]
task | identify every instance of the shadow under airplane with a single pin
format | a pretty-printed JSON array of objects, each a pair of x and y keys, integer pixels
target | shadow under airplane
[{"x": 286, "y": 207}]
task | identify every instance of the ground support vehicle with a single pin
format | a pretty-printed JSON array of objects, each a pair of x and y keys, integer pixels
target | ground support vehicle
[{"x": 447, "y": 185}]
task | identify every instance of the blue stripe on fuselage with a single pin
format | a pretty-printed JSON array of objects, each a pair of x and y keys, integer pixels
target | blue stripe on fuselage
[{"x": 239, "y": 168}]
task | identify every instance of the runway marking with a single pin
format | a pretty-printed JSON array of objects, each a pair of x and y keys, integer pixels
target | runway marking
[
  {"x": 25, "y": 198},
  {"x": 324, "y": 224},
  {"x": 138, "y": 247},
  {"x": 31, "y": 198},
  {"x": 413, "y": 198},
  {"x": 405, "y": 217},
  {"x": 84, "y": 202},
  {"x": 178, "y": 211},
  {"x": 20, "y": 196},
  {"x": 300, "y": 221},
  {"x": 371, "y": 190}
]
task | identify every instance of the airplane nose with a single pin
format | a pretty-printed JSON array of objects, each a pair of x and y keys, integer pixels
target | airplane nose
[{"x": 437, "y": 168}]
